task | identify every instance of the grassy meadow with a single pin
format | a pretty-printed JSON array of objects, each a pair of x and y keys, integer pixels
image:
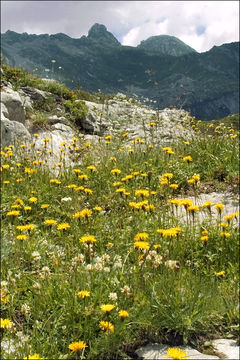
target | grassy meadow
[{"x": 95, "y": 264}]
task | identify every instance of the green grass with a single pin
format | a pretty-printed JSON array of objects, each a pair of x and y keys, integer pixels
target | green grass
[{"x": 187, "y": 302}]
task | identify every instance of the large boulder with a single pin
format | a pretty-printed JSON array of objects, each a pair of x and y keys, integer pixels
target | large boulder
[
  {"x": 12, "y": 131},
  {"x": 13, "y": 103}
]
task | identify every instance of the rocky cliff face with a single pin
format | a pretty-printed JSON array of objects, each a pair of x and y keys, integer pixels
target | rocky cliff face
[{"x": 162, "y": 68}]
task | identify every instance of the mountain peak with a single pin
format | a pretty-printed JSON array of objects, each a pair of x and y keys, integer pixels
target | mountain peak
[
  {"x": 99, "y": 33},
  {"x": 166, "y": 44}
]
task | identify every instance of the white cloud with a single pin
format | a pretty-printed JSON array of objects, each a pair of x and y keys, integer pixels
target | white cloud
[{"x": 130, "y": 21}]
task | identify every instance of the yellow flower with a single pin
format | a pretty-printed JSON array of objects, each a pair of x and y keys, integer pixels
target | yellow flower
[
  {"x": 88, "y": 191},
  {"x": 98, "y": 208},
  {"x": 219, "y": 207},
  {"x": 193, "y": 208},
  {"x": 125, "y": 134},
  {"x": 106, "y": 326},
  {"x": 142, "y": 192},
  {"x": 63, "y": 226},
  {"x": 27, "y": 208},
  {"x": 123, "y": 313},
  {"x": 172, "y": 232},
  {"x": 141, "y": 236},
  {"x": 142, "y": 245},
  {"x": 116, "y": 171},
  {"x": 107, "y": 308},
  {"x": 32, "y": 199},
  {"x": 44, "y": 206},
  {"x": 76, "y": 171},
  {"x": 50, "y": 222},
  {"x": 175, "y": 353},
  {"x": 221, "y": 273},
  {"x": 21, "y": 237},
  {"x": 173, "y": 186},
  {"x": 207, "y": 204},
  {"x": 77, "y": 346},
  {"x": 85, "y": 213},
  {"x": 33, "y": 357},
  {"x": 109, "y": 137},
  {"x": 83, "y": 293},
  {"x": 187, "y": 159},
  {"x": 88, "y": 239},
  {"x": 5, "y": 323},
  {"x": 204, "y": 238},
  {"x": 71, "y": 186},
  {"x": 225, "y": 234},
  {"x": 13, "y": 213},
  {"x": 26, "y": 227},
  {"x": 4, "y": 296},
  {"x": 91, "y": 167}
]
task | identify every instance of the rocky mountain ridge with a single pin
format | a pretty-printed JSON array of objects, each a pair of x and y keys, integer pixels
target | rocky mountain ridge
[{"x": 206, "y": 84}]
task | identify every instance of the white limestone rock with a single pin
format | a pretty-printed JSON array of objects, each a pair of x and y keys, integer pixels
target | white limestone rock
[{"x": 157, "y": 352}]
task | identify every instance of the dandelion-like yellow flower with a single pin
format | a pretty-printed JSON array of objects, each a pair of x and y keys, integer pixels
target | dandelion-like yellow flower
[
  {"x": 27, "y": 227},
  {"x": 45, "y": 206},
  {"x": 219, "y": 207},
  {"x": 176, "y": 354},
  {"x": 88, "y": 191},
  {"x": 85, "y": 213},
  {"x": 22, "y": 237},
  {"x": 115, "y": 171},
  {"x": 123, "y": 314},
  {"x": 106, "y": 326},
  {"x": 4, "y": 296},
  {"x": 50, "y": 222},
  {"x": 221, "y": 273},
  {"x": 91, "y": 167},
  {"x": 77, "y": 346},
  {"x": 88, "y": 239},
  {"x": 142, "y": 192},
  {"x": 187, "y": 159},
  {"x": 141, "y": 236},
  {"x": 107, "y": 308},
  {"x": 33, "y": 357},
  {"x": 225, "y": 234},
  {"x": 13, "y": 213},
  {"x": 141, "y": 245},
  {"x": 204, "y": 239},
  {"x": 63, "y": 226},
  {"x": 5, "y": 323},
  {"x": 83, "y": 293},
  {"x": 32, "y": 199}
]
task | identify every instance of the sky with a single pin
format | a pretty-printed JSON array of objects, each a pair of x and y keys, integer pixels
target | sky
[{"x": 200, "y": 24}]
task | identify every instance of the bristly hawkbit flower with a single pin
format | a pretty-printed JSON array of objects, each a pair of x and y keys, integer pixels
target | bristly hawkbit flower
[
  {"x": 141, "y": 245},
  {"x": 88, "y": 239},
  {"x": 115, "y": 171},
  {"x": 187, "y": 159},
  {"x": 83, "y": 293},
  {"x": 50, "y": 222},
  {"x": 141, "y": 236},
  {"x": 176, "y": 354},
  {"x": 27, "y": 227},
  {"x": 123, "y": 314},
  {"x": 13, "y": 213},
  {"x": 85, "y": 213},
  {"x": 204, "y": 238},
  {"x": 32, "y": 199},
  {"x": 106, "y": 326},
  {"x": 5, "y": 323},
  {"x": 77, "y": 346},
  {"x": 22, "y": 237},
  {"x": 63, "y": 226},
  {"x": 225, "y": 234},
  {"x": 219, "y": 207},
  {"x": 107, "y": 308},
  {"x": 142, "y": 193},
  {"x": 33, "y": 357},
  {"x": 221, "y": 273}
]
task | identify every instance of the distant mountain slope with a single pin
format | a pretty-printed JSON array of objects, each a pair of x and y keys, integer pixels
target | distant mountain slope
[
  {"x": 206, "y": 84},
  {"x": 165, "y": 44}
]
